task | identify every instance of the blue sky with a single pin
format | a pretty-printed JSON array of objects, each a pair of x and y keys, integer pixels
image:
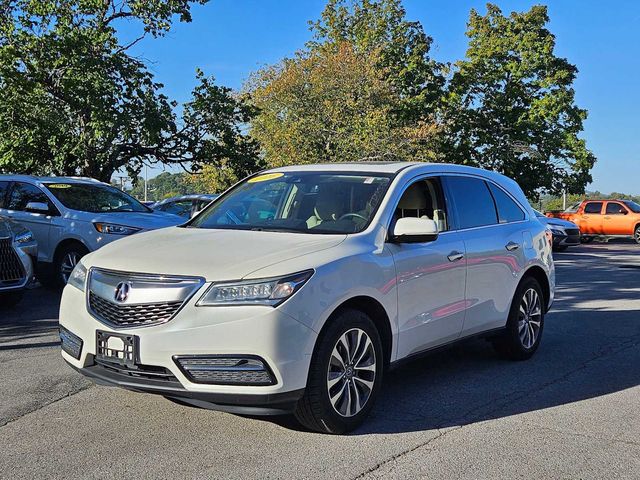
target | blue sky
[{"x": 231, "y": 38}]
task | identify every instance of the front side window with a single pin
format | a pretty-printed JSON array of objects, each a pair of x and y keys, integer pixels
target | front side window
[
  {"x": 473, "y": 201},
  {"x": 593, "y": 207},
  {"x": 633, "y": 206},
  {"x": 24, "y": 193},
  {"x": 300, "y": 202},
  {"x": 508, "y": 210},
  {"x": 424, "y": 199},
  {"x": 614, "y": 208},
  {"x": 98, "y": 198}
]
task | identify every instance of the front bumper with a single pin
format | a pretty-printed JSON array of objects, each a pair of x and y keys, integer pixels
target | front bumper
[
  {"x": 566, "y": 240},
  {"x": 281, "y": 341}
]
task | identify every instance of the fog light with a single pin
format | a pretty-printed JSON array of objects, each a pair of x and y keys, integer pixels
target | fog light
[
  {"x": 71, "y": 344},
  {"x": 226, "y": 370}
]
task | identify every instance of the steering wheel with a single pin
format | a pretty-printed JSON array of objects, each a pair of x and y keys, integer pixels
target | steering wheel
[{"x": 347, "y": 215}]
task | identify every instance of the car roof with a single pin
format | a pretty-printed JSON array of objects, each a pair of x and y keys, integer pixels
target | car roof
[
  {"x": 369, "y": 167},
  {"x": 34, "y": 178},
  {"x": 190, "y": 196}
]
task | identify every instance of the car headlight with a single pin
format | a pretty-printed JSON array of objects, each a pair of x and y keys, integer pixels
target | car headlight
[
  {"x": 558, "y": 232},
  {"x": 268, "y": 291},
  {"x": 24, "y": 237},
  {"x": 114, "y": 229},
  {"x": 78, "y": 277}
]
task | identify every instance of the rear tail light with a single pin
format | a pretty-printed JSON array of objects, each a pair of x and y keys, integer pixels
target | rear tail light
[{"x": 226, "y": 370}]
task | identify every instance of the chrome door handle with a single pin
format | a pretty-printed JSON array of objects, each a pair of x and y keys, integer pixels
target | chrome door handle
[
  {"x": 607, "y": 218},
  {"x": 511, "y": 246},
  {"x": 455, "y": 256}
]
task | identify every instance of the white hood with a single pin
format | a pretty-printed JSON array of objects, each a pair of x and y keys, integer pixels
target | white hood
[{"x": 215, "y": 254}]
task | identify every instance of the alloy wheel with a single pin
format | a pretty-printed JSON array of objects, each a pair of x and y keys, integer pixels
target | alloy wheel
[
  {"x": 351, "y": 373},
  {"x": 529, "y": 318},
  {"x": 67, "y": 264}
]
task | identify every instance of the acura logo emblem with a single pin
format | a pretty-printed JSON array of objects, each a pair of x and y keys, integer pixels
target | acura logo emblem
[{"x": 122, "y": 292}]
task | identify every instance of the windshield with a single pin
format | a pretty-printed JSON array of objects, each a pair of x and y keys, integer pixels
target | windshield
[
  {"x": 301, "y": 202},
  {"x": 94, "y": 198},
  {"x": 633, "y": 206}
]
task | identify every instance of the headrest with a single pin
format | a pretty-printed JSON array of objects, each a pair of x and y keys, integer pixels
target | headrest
[
  {"x": 328, "y": 206},
  {"x": 414, "y": 198}
]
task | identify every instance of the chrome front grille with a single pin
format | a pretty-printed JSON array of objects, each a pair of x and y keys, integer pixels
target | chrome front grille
[
  {"x": 132, "y": 315},
  {"x": 146, "y": 299},
  {"x": 11, "y": 268}
]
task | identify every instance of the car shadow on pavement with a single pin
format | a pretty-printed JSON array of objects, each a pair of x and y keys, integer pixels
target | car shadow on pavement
[{"x": 36, "y": 315}]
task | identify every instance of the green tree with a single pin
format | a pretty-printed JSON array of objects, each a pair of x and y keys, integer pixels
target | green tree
[
  {"x": 511, "y": 108},
  {"x": 74, "y": 101},
  {"x": 363, "y": 89},
  {"x": 401, "y": 48}
]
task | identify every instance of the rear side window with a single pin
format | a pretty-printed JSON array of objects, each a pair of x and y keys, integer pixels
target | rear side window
[
  {"x": 508, "y": 210},
  {"x": 23, "y": 193},
  {"x": 473, "y": 202},
  {"x": 593, "y": 207},
  {"x": 615, "y": 209},
  {"x": 3, "y": 193}
]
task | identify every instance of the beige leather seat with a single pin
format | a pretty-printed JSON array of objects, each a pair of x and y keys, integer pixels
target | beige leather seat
[{"x": 328, "y": 208}]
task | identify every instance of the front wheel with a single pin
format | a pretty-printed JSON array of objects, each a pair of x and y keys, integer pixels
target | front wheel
[
  {"x": 523, "y": 332},
  {"x": 345, "y": 375},
  {"x": 65, "y": 262},
  {"x": 636, "y": 234}
]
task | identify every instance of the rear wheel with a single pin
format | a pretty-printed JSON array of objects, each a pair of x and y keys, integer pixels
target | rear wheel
[
  {"x": 636, "y": 234},
  {"x": 586, "y": 239},
  {"x": 345, "y": 375},
  {"x": 523, "y": 332}
]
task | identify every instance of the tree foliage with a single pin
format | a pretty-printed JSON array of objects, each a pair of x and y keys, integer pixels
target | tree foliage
[
  {"x": 363, "y": 89},
  {"x": 74, "y": 101},
  {"x": 331, "y": 105},
  {"x": 511, "y": 106}
]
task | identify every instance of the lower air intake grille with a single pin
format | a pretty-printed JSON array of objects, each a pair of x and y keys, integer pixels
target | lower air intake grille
[
  {"x": 132, "y": 315},
  {"x": 226, "y": 370},
  {"x": 11, "y": 269}
]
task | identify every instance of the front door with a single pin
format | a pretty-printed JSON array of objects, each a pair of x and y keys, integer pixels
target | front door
[
  {"x": 39, "y": 223},
  {"x": 616, "y": 221},
  {"x": 430, "y": 276}
]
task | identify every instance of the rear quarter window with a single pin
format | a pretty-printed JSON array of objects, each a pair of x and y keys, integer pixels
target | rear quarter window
[{"x": 508, "y": 210}]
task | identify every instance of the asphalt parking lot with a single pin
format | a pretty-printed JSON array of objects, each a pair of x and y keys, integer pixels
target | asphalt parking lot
[{"x": 570, "y": 412}]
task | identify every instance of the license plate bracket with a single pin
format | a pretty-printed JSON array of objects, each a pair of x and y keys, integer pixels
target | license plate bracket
[{"x": 117, "y": 348}]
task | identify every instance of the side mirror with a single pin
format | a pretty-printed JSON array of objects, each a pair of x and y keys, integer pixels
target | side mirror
[
  {"x": 414, "y": 230},
  {"x": 37, "y": 207},
  {"x": 624, "y": 212}
]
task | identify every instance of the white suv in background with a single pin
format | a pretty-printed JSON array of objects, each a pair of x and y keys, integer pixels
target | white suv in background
[
  {"x": 298, "y": 287},
  {"x": 70, "y": 217}
]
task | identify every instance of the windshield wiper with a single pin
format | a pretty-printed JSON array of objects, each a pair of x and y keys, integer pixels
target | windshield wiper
[{"x": 275, "y": 229}]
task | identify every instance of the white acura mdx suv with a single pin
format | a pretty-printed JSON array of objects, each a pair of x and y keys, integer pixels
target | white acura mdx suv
[{"x": 298, "y": 287}]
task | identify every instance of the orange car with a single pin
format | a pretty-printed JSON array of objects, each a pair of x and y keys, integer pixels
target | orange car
[{"x": 610, "y": 218}]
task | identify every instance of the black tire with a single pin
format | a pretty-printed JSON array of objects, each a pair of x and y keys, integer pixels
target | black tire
[
  {"x": 636, "y": 234},
  {"x": 59, "y": 273},
  {"x": 315, "y": 410},
  {"x": 10, "y": 299},
  {"x": 510, "y": 343},
  {"x": 586, "y": 239},
  {"x": 560, "y": 248}
]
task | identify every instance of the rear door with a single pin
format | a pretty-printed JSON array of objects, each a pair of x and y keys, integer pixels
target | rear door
[
  {"x": 616, "y": 220},
  {"x": 19, "y": 196},
  {"x": 493, "y": 229},
  {"x": 590, "y": 221}
]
